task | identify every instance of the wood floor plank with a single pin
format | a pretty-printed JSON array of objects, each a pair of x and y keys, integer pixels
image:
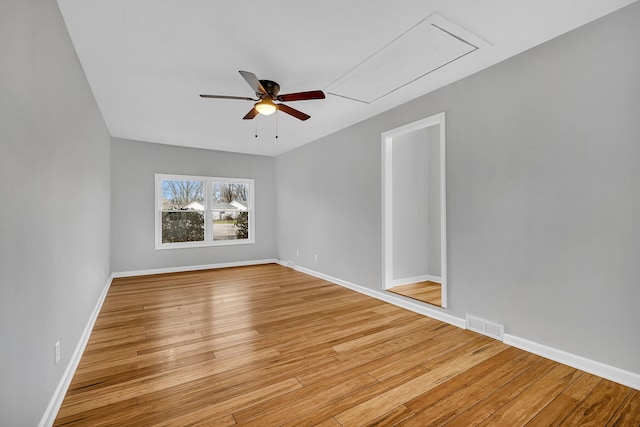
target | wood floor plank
[
  {"x": 119, "y": 413},
  {"x": 300, "y": 402},
  {"x": 224, "y": 386},
  {"x": 266, "y": 345},
  {"x": 222, "y": 409},
  {"x": 523, "y": 407},
  {"x": 454, "y": 396},
  {"x": 99, "y": 380},
  {"x": 372, "y": 339},
  {"x": 331, "y": 422},
  {"x": 599, "y": 406},
  {"x": 500, "y": 396},
  {"x": 130, "y": 388},
  {"x": 429, "y": 292},
  {"x": 628, "y": 413},
  {"x": 392, "y": 418},
  {"x": 386, "y": 361},
  {"x": 565, "y": 402},
  {"x": 367, "y": 411},
  {"x": 357, "y": 366},
  {"x": 354, "y": 399}
]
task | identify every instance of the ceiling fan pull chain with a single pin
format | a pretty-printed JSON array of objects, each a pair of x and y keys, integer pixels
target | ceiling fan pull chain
[
  {"x": 276, "y": 124},
  {"x": 256, "y": 128}
]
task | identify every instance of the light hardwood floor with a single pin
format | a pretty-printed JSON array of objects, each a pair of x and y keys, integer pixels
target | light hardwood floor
[
  {"x": 429, "y": 292},
  {"x": 269, "y": 346}
]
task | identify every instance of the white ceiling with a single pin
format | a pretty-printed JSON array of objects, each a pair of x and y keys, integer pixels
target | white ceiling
[{"x": 148, "y": 60}]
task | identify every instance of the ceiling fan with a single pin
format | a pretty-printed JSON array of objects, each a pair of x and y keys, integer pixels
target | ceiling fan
[{"x": 267, "y": 92}]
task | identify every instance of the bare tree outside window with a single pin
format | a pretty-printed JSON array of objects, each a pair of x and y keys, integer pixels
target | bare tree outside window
[
  {"x": 182, "y": 211},
  {"x": 178, "y": 194},
  {"x": 227, "y": 192}
]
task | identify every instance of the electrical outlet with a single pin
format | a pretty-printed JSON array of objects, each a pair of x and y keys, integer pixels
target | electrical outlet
[
  {"x": 316, "y": 257},
  {"x": 56, "y": 351},
  {"x": 297, "y": 252}
]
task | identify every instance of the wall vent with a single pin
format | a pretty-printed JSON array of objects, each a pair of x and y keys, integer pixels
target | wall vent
[{"x": 485, "y": 327}]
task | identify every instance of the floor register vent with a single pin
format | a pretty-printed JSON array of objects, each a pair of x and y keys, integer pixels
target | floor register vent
[{"x": 485, "y": 327}]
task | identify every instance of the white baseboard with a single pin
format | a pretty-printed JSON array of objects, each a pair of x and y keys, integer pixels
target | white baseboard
[
  {"x": 612, "y": 373},
  {"x": 434, "y": 313},
  {"x": 50, "y": 413},
  {"x": 416, "y": 279},
  {"x": 61, "y": 390},
  {"x": 627, "y": 378},
  {"x": 195, "y": 267},
  {"x": 287, "y": 263}
]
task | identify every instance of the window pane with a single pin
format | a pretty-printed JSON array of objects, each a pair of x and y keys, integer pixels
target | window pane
[
  {"x": 182, "y": 211},
  {"x": 236, "y": 194},
  {"x": 182, "y": 195},
  {"x": 231, "y": 226},
  {"x": 230, "y": 211},
  {"x": 182, "y": 226}
]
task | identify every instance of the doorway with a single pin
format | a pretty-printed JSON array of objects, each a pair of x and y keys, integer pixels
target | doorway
[{"x": 414, "y": 210}]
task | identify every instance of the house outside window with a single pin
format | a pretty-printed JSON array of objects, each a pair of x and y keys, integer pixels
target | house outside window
[{"x": 196, "y": 211}]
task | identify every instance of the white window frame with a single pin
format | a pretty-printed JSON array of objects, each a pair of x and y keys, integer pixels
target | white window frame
[{"x": 208, "y": 211}]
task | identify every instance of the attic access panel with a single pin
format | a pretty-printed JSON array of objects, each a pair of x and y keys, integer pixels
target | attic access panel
[{"x": 429, "y": 45}]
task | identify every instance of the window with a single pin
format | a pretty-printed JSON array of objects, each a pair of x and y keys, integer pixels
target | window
[{"x": 194, "y": 211}]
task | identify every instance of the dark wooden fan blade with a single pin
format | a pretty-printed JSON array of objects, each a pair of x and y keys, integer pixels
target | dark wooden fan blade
[
  {"x": 253, "y": 82},
  {"x": 301, "y": 96},
  {"x": 293, "y": 112},
  {"x": 251, "y": 114},
  {"x": 244, "y": 98}
]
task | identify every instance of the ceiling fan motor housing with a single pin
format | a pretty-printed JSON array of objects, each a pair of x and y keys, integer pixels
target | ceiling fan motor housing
[{"x": 271, "y": 87}]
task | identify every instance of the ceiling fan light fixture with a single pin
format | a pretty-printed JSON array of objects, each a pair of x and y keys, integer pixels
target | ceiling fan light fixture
[{"x": 266, "y": 107}]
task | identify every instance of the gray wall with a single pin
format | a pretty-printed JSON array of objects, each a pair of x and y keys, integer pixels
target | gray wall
[
  {"x": 416, "y": 203},
  {"x": 135, "y": 164},
  {"x": 54, "y": 183},
  {"x": 410, "y": 206},
  {"x": 543, "y": 198},
  {"x": 543, "y": 188},
  {"x": 434, "y": 232}
]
